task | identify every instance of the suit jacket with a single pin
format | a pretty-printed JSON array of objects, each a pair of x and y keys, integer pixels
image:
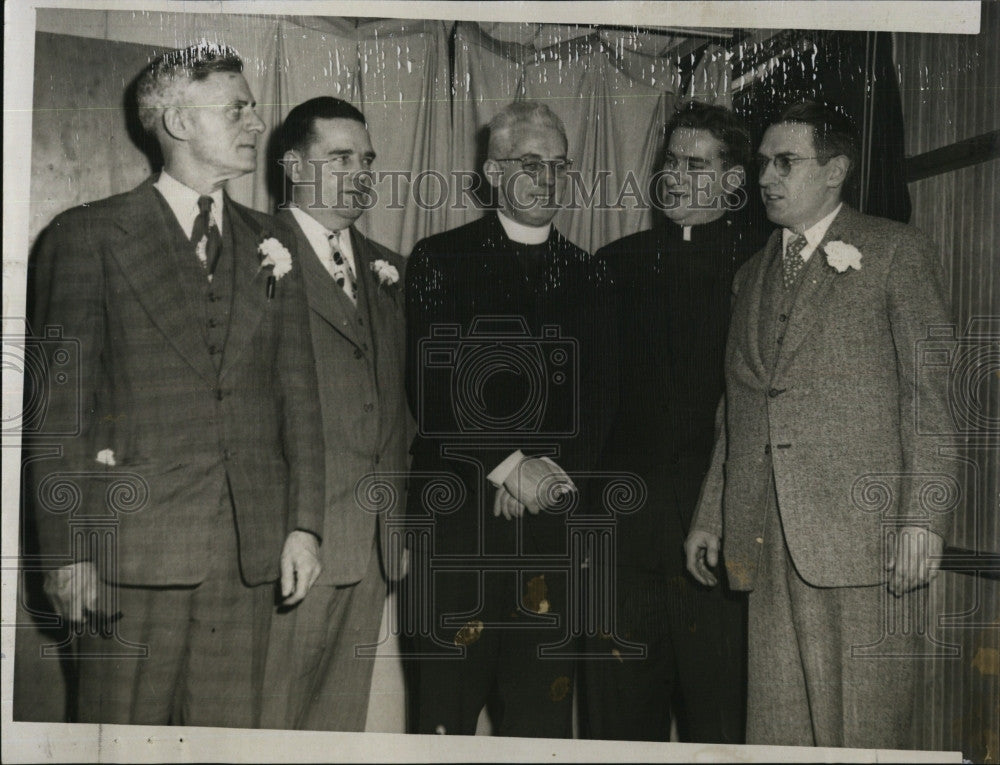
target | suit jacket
[
  {"x": 118, "y": 280},
  {"x": 673, "y": 299},
  {"x": 531, "y": 373},
  {"x": 360, "y": 354},
  {"x": 825, "y": 398}
]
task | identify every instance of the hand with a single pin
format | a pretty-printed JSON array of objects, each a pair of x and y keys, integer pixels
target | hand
[
  {"x": 73, "y": 590},
  {"x": 701, "y": 549},
  {"x": 915, "y": 560},
  {"x": 505, "y": 504},
  {"x": 300, "y": 566},
  {"x": 537, "y": 484}
]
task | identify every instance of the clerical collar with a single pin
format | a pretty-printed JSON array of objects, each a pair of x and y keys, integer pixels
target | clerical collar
[
  {"x": 518, "y": 232},
  {"x": 701, "y": 232}
]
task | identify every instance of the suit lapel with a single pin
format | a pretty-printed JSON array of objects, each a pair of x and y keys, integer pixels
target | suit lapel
[
  {"x": 324, "y": 295},
  {"x": 148, "y": 262},
  {"x": 249, "y": 283},
  {"x": 814, "y": 293},
  {"x": 754, "y": 291}
]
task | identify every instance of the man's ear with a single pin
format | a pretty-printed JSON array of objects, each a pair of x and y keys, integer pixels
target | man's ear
[
  {"x": 292, "y": 163},
  {"x": 175, "y": 121},
  {"x": 493, "y": 173},
  {"x": 837, "y": 168}
]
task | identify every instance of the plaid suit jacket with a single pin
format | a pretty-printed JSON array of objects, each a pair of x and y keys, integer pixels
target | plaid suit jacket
[{"x": 149, "y": 390}]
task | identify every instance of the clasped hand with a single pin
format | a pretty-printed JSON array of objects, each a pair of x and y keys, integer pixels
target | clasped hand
[{"x": 535, "y": 484}]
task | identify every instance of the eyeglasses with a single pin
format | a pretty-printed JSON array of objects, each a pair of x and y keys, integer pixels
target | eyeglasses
[
  {"x": 782, "y": 163},
  {"x": 684, "y": 164},
  {"x": 534, "y": 165}
]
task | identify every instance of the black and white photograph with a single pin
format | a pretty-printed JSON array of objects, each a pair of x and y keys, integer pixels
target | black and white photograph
[{"x": 429, "y": 382}]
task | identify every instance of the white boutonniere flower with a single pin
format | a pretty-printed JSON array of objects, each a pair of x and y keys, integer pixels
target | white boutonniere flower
[
  {"x": 387, "y": 273},
  {"x": 275, "y": 256},
  {"x": 842, "y": 256},
  {"x": 201, "y": 250}
]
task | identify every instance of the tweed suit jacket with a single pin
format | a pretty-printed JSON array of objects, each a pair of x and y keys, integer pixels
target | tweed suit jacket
[
  {"x": 835, "y": 412},
  {"x": 360, "y": 355},
  {"x": 116, "y": 279}
]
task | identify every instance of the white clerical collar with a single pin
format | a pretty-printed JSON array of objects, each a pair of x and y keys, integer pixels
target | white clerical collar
[
  {"x": 518, "y": 232},
  {"x": 318, "y": 235},
  {"x": 183, "y": 200},
  {"x": 815, "y": 233}
]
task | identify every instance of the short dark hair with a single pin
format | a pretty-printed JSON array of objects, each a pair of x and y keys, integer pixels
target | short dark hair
[
  {"x": 722, "y": 123},
  {"x": 155, "y": 89},
  {"x": 834, "y": 132},
  {"x": 298, "y": 129}
]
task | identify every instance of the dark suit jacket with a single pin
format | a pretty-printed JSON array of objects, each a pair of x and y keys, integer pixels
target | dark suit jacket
[
  {"x": 834, "y": 410},
  {"x": 528, "y": 375},
  {"x": 360, "y": 353},
  {"x": 673, "y": 299},
  {"x": 115, "y": 277}
]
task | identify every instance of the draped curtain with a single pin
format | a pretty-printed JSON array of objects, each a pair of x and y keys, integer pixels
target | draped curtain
[{"x": 426, "y": 105}]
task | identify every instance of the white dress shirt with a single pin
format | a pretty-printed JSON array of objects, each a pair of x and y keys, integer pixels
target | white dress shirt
[
  {"x": 183, "y": 200},
  {"x": 318, "y": 236},
  {"x": 814, "y": 235}
]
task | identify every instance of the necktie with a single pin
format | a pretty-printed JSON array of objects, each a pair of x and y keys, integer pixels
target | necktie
[
  {"x": 205, "y": 236},
  {"x": 792, "y": 262},
  {"x": 340, "y": 269}
]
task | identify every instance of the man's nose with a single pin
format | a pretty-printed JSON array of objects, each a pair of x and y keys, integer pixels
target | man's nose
[
  {"x": 768, "y": 174},
  {"x": 255, "y": 124}
]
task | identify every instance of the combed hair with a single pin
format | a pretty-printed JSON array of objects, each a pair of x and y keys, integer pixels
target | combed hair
[
  {"x": 298, "y": 130},
  {"x": 515, "y": 115},
  {"x": 157, "y": 86},
  {"x": 724, "y": 126},
  {"x": 834, "y": 133}
]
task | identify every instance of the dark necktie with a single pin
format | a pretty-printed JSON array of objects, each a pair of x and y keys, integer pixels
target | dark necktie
[
  {"x": 793, "y": 262},
  {"x": 205, "y": 236}
]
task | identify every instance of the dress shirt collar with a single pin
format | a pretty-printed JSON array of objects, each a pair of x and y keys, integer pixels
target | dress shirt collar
[
  {"x": 183, "y": 200},
  {"x": 518, "y": 232},
  {"x": 814, "y": 235},
  {"x": 318, "y": 236}
]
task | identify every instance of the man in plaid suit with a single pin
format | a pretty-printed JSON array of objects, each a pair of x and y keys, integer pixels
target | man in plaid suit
[{"x": 197, "y": 383}]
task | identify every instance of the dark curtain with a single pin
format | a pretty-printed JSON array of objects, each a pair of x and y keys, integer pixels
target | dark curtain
[{"x": 854, "y": 70}]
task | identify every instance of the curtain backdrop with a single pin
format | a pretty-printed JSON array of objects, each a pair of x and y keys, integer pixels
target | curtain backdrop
[{"x": 612, "y": 90}]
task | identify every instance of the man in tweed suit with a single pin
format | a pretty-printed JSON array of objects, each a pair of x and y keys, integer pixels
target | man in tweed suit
[
  {"x": 197, "y": 377},
  {"x": 821, "y": 396},
  {"x": 315, "y": 679}
]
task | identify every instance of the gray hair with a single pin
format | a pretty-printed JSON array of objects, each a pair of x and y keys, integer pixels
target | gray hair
[
  {"x": 516, "y": 115},
  {"x": 160, "y": 83}
]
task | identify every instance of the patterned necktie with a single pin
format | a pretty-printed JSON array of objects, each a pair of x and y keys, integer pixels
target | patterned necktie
[
  {"x": 340, "y": 269},
  {"x": 793, "y": 262},
  {"x": 205, "y": 236}
]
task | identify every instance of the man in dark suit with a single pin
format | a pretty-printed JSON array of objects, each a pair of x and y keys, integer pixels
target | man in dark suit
[
  {"x": 672, "y": 289},
  {"x": 197, "y": 383},
  {"x": 315, "y": 678},
  {"x": 822, "y": 390},
  {"x": 503, "y": 322}
]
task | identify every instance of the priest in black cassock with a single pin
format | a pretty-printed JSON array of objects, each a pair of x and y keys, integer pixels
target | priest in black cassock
[
  {"x": 505, "y": 361},
  {"x": 672, "y": 288}
]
